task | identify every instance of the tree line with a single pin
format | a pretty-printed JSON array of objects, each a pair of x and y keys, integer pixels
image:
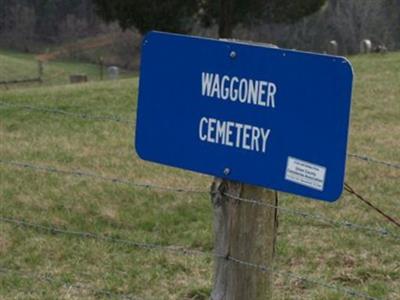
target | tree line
[
  {"x": 32, "y": 25},
  {"x": 346, "y": 21},
  {"x": 25, "y": 24}
]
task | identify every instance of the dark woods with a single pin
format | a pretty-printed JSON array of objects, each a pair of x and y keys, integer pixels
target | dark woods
[{"x": 34, "y": 25}]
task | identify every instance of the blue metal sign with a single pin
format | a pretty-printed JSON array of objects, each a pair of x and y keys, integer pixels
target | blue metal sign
[{"x": 269, "y": 117}]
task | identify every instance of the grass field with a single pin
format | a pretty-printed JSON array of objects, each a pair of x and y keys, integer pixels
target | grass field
[
  {"x": 38, "y": 263},
  {"x": 19, "y": 66}
]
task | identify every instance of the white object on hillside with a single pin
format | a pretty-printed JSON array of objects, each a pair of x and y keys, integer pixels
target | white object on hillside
[
  {"x": 365, "y": 46},
  {"x": 113, "y": 72},
  {"x": 333, "y": 47}
]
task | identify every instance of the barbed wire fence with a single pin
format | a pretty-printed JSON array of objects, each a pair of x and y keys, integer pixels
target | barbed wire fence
[
  {"x": 174, "y": 249},
  {"x": 25, "y": 79},
  {"x": 376, "y": 161},
  {"x": 52, "y": 278},
  {"x": 338, "y": 223},
  {"x": 124, "y": 120},
  {"x": 179, "y": 250},
  {"x": 379, "y": 232},
  {"x": 36, "y": 108}
]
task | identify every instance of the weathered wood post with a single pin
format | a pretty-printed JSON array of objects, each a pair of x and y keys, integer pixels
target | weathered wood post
[
  {"x": 246, "y": 232},
  {"x": 40, "y": 70},
  {"x": 101, "y": 67}
]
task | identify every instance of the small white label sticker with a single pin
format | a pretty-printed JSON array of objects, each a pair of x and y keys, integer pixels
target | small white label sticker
[{"x": 305, "y": 173}]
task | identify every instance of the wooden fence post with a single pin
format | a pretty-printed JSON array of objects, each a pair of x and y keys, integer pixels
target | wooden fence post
[
  {"x": 101, "y": 67},
  {"x": 40, "y": 70},
  {"x": 246, "y": 232}
]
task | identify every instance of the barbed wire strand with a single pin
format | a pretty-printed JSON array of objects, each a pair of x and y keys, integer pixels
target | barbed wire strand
[
  {"x": 119, "y": 119},
  {"x": 99, "y": 177},
  {"x": 350, "y": 190},
  {"x": 95, "y": 236},
  {"x": 266, "y": 269},
  {"x": 67, "y": 113},
  {"x": 346, "y": 224},
  {"x": 366, "y": 158},
  {"x": 178, "y": 250},
  {"x": 383, "y": 232},
  {"x": 80, "y": 286}
]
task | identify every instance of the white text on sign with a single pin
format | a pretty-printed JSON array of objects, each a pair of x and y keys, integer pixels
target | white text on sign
[
  {"x": 233, "y": 134},
  {"x": 242, "y": 90}
]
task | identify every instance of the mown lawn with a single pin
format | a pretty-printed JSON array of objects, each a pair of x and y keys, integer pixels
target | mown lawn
[{"x": 38, "y": 263}]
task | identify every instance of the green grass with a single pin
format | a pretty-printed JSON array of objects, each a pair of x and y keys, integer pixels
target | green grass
[
  {"x": 19, "y": 66},
  {"x": 54, "y": 266}
]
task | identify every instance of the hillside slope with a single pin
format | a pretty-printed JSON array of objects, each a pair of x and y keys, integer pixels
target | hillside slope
[{"x": 67, "y": 167}]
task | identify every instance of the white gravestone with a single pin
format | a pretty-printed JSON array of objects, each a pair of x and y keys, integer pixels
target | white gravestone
[{"x": 113, "y": 72}]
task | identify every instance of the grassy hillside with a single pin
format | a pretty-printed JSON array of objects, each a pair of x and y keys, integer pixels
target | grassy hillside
[
  {"x": 17, "y": 66},
  {"x": 42, "y": 263}
]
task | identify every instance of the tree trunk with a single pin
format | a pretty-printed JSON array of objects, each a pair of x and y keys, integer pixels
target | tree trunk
[{"x": 225, "y": 27}]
